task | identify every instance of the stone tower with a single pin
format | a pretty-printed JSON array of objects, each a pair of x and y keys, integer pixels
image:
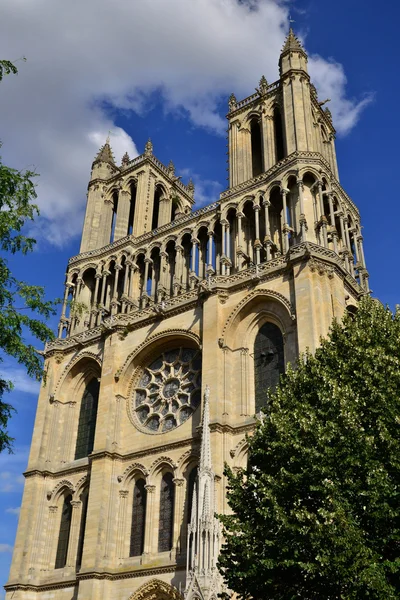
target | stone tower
[{"x": 126, "y": 464}]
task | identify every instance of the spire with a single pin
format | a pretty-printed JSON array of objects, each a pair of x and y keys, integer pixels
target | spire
[
  {"x": 293, "y": 55},
  {"x": 105, "y": 153},
  {"x": 205, "y": 451},
  {"x": 292, "y": 43}
]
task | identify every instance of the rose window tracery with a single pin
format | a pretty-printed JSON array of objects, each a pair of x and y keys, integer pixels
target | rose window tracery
[{"x": 169, "y": 390}]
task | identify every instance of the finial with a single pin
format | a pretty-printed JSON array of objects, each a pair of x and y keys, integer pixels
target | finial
[
  {"x": 263, "y": 85},
  {"x": 148, "y": 149},
  {"x": 125, "y": 159},
  {"x": 232, "y": 102},
  {"x": 171, "y": 168}
]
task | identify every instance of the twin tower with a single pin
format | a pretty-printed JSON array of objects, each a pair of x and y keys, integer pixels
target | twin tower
[{"x": 175, "y": 327}]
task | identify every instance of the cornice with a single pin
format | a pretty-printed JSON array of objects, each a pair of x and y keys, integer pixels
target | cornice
[{"x": 95, "y": 574}]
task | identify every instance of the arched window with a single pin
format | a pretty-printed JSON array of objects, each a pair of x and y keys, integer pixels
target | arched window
[
  {"x": 156, "y": 208},
  {"x": 63, "y": 536},
  {"x": 138, "y": 518},
  {"x": 278, "y": 129},
  {"x": 256, "y": 148},
  {"x": 114, "y": 216},
  {"x": 87, "y": 419},
  {"x": 166, "y": 523},
  {"x": 269, "y": 362},
  {"x": 84, "y": 499},
  {"x": 132, "y": 209}
]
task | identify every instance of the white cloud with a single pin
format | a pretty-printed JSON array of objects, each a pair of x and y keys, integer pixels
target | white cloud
[
  {"x": 6, "y": 548},
  {"x": 83, "y": 56},
  {"x": 21, "y": 381},
  {"x": 14, "y": 511}
]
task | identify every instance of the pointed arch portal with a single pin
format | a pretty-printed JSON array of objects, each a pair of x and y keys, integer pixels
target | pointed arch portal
[{"x": 156, "y": 590}]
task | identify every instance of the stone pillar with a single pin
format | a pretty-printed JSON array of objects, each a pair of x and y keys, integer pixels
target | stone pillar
[
  {"x": 210, "y": 268},
  {"x": 124, "y": 206},
  {"x": 106, "y": 223},
  {"x": 148, "y": 533},
  {"x": 178, "y": 268},
  {"x": 147, "y": 263},
  {"x": 285, "y": 232},
  {"x": 267, "y": 240},
  {"x": 228, "y": 248},
  {"x": 223, "y": 225},
  {"x": 322, "y": 217},
  {"x": 303, "y": 220},
  {"x": 257, "y": 243},
  {"x": 239, "y": 251},
  {"x": 333, "y": 226},
  {"x": 121, "y": 523},
  {"x": 49, "y": 545},
  {"x": 178, "y": 510},
  {"x": 74, "y": 533}
]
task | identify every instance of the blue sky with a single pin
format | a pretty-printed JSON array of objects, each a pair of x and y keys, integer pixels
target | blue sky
[{"x": 165, "y": 70}]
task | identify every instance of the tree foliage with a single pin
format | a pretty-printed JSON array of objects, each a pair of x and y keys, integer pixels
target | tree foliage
[
  {"x": 23, "y": 308},
  {"x": 316, "y": 512}
]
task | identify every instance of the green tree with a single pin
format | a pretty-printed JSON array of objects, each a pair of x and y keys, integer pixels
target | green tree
[
  {"x": 316, "y": 512},
  {"x": 23, "y": 308}
]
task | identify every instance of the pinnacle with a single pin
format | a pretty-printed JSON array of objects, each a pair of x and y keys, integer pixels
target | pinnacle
[
  {"x": 105, "y": 154},
  {"x": 292, "y": 43},
  {"x": 125, "y": 159}
]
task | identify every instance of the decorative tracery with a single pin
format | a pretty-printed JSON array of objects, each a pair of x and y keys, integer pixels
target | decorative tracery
[{"x": 169, "y": 390}]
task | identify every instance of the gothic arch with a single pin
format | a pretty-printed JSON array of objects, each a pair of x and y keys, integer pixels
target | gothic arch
[
  {"x": 89, "y": 356},
  {"x": 80, "y": 486},
  {"x": 61, "y": 487},
  {"x": 131, "y": 471},
  {"x": 156, "y": 590},
  {"x": 159, "y": 463},
  {"x": 284, "y": 309},
  {"x": 188, "y": 458}
]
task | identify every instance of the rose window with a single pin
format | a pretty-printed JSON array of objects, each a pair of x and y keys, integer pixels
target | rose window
[{"x": 169, "y": 390}]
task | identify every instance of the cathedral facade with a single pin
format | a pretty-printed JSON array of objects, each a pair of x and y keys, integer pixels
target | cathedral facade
[{"x": 175, "y": 325}]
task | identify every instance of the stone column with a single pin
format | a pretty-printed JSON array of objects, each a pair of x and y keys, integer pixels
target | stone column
[
  {"x": 94, "y": 308},
  {"x": 239, "y": 251},
  {"x": 210, "y": 268},
  {"x": 285, "y": 223},
  {"x": 61, "y": 325},
  {"x": 51, "y": 523},
  {"x": 74, "y": 533},
  {"x": 178, "y": 268},
  {"x": 178, "y": 510},
  {"x": 303, "y": 220},
  {"x": 332, "y": 217},
  {"x": 228, "y": 248},
  {"x": 223, "y": 258},
  {"x": 121, "y": 524},
  {"x": 257, "y": 243},
  {"x": 124, "y": 206},
  {"x": 345, "y": 250},
  {"x": 114, "y": 299},
  {"x": 106, "y": 223},
  {"x": 148, "y": 533},
  {"x": 322, "y": 218},
  {"x": 147, "y": 263},
  {"x": 267, "y": 240},
  {"x": 164, "y": 283}
]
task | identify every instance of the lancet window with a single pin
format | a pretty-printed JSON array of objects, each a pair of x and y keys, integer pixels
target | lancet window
[
  {"x": 269, "y": 362},
  {"x": 166, "y": 522},
  {"x": 87, "y": 419},
  {"x": 278, "y": 131},
  {"x": 63, "y": 535},
  {"x": 138, "y": 518},
  {"x": 114, "y": 215},
  {"x": 256, "y": 148},
  {"x": 132, "y": 208}
]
